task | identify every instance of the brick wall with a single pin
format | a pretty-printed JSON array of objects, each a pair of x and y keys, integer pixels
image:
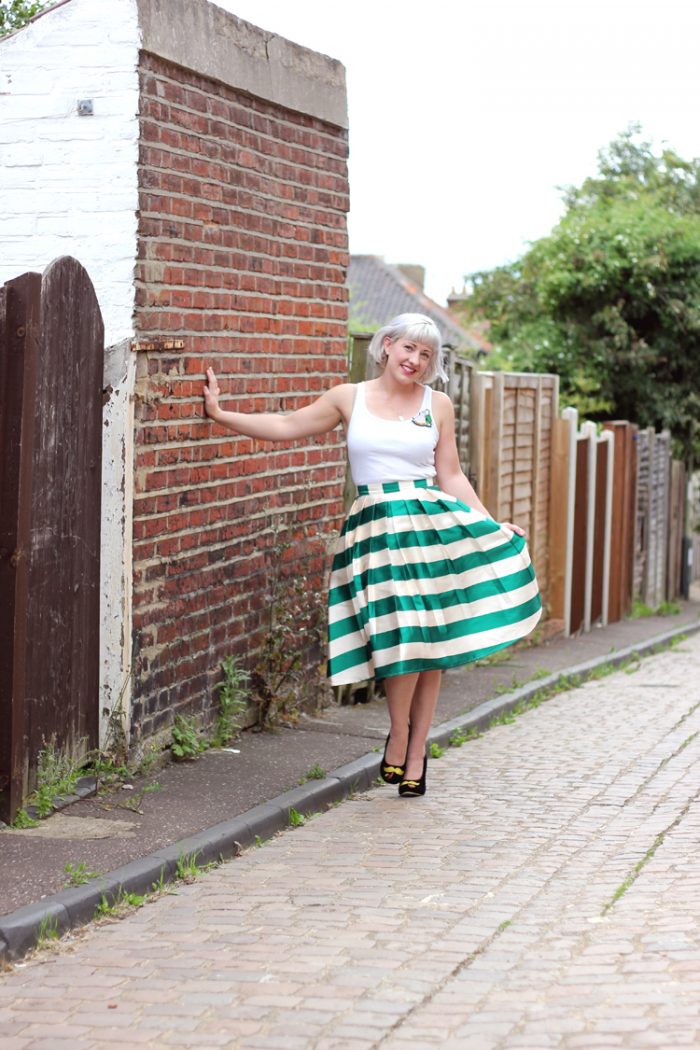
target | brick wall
[{"x": 241, "y": 263}]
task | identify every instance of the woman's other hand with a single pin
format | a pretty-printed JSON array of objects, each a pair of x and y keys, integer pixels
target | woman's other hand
[
  {"x": 513, "y": 528},
  {"x": 211, "y": 394}
]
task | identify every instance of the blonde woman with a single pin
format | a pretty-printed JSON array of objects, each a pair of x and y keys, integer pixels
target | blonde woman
[{"x": 423, "y": 579}]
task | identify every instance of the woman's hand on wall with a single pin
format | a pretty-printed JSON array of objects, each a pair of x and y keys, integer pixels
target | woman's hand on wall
[{"x": 211, "y": 394}]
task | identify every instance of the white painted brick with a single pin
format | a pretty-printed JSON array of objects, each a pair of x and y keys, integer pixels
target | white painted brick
[
  {"x": 52, "y": 158},
  {"x": 68, "y": 186}
]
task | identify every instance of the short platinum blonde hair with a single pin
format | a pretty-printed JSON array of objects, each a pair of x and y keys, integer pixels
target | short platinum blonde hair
[{"x": 419, "y": 329}]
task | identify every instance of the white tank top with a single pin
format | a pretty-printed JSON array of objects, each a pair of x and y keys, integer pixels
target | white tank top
[{"x": 391, "y": 449}]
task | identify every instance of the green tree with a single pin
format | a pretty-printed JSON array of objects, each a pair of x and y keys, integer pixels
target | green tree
[
  {"x": 16, "y": 13},
  {"x": 610, "y": 300}
]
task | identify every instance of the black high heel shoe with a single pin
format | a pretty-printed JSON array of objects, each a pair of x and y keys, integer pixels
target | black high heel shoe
[
  {"x": 411, "y": 788},
  {"x": 391, "y": 774}
]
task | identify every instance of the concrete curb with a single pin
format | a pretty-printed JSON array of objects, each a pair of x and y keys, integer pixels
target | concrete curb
[{"x": 55, "y": 915}]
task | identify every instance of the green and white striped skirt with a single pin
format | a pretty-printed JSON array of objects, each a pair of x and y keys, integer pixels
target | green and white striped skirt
[{"x": 420, "y": 582}]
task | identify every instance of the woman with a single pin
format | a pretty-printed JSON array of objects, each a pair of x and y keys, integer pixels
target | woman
[{"x": 422, "y": 579}]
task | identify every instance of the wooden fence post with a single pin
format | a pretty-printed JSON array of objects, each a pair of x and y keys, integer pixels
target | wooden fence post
[
  {"x": 20, "y": 312},
  {"x": 609, "y": 453},
  {"x": 588, "y": 434}
]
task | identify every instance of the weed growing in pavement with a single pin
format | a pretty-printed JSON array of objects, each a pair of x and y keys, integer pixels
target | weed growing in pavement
[
  {"x": 515, "y": 683},
  {"x": 186, "y": 742},
  {"x": 316, "y": 772},
  {"x": 134, "y": 803},
  {"x": 633, "y": 875},
  {"x": 78, "y": 874},
  {"x": 233, "y": 702},
  {"x": 120, "y": 903},
  {"x": 506, "y": 718},
  {"x": 461, "y": 736},
  {"x": 601, "y": 671},
  {"x": 495, "y": 659},
  {"x": 436, "y": 751},
  {"x": 48, "y": 931},
  {"x": 296, "y": 819},
  {"x": 104, "y": 908},
  {"x": 161, "y": 886},
  {"x": 23, "y": 820},
  {"x": 57, "y": 774},
  {"x": 640, "y": 609},
  {"x": 541, "y": 672},
  {"x": 150, "y": 758},
  {"x": 187, "y": 866},
  {"x": 106, "y": 769}
]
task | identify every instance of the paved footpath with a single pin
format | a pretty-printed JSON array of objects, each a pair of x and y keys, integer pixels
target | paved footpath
[{"x": 544, "y": 893}]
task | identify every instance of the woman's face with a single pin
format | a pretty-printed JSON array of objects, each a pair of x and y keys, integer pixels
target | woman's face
[{"x": 407, "y": 359}]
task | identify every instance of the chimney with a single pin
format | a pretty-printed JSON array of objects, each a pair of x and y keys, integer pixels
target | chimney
[{"x": 414, "y": 273}]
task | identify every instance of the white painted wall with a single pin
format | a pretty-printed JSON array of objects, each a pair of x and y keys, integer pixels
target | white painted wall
[{"x": 68, "y": 186}]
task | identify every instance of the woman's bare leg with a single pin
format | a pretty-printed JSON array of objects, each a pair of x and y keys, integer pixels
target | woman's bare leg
[
  {"x": 399, "y": 690},
  {"x": 425, "y": 698},
  {"x": 411, "y": 698}
]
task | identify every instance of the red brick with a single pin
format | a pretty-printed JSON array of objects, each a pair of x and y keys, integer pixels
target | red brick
[{"x": 243, "y": 206}]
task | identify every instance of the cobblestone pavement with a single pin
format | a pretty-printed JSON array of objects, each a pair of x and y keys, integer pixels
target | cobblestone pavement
[{"x": 545, "y": 892}]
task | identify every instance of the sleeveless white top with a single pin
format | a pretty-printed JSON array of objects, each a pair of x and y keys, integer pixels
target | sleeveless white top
[{"x": 391, "y": 449}]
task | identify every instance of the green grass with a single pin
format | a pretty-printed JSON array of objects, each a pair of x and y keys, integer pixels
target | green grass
[
  {"x": 48, "y": 931},
  {"x": 640, "y": 610},
  {"x": 316, "y": 772},
  {"x": 295, "y": 818},
  {"x": 78, "y": 874},
  {"x": 23, "y": 820},
  {"x": 187, "y": 867},
  {"x": 119, "y": 904}
]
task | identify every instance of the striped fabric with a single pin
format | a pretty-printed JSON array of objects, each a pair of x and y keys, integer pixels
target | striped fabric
[{"x": 420, "y": 581}]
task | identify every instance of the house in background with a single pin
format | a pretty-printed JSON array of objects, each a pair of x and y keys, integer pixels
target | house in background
[{"x": 380, "y": 291}]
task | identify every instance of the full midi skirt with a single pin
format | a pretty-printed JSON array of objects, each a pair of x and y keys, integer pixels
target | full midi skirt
[{"x": 420, "y": 581}]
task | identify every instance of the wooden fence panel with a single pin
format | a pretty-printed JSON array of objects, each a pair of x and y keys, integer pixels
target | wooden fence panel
[
  {"x": 561, "y": 516},
  {"x": 51, "y": 489},
  {"x": 641, "y": 524},
  {"x": 623, "y": 518},
  {"x": 676, "y": 521},
  {"x": 659, "y": 495},
  {"x": 693, "y": 528},
  {"x": 512, "y": 422}
]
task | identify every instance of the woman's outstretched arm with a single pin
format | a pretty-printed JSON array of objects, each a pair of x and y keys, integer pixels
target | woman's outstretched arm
[{"x": 322, "y": 415}]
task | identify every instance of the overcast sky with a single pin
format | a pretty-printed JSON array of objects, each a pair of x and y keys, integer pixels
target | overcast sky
[{"x": 466, "y": 116}]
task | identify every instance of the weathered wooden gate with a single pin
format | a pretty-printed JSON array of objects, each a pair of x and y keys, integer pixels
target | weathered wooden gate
[{"x": 51, "y": 365}]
